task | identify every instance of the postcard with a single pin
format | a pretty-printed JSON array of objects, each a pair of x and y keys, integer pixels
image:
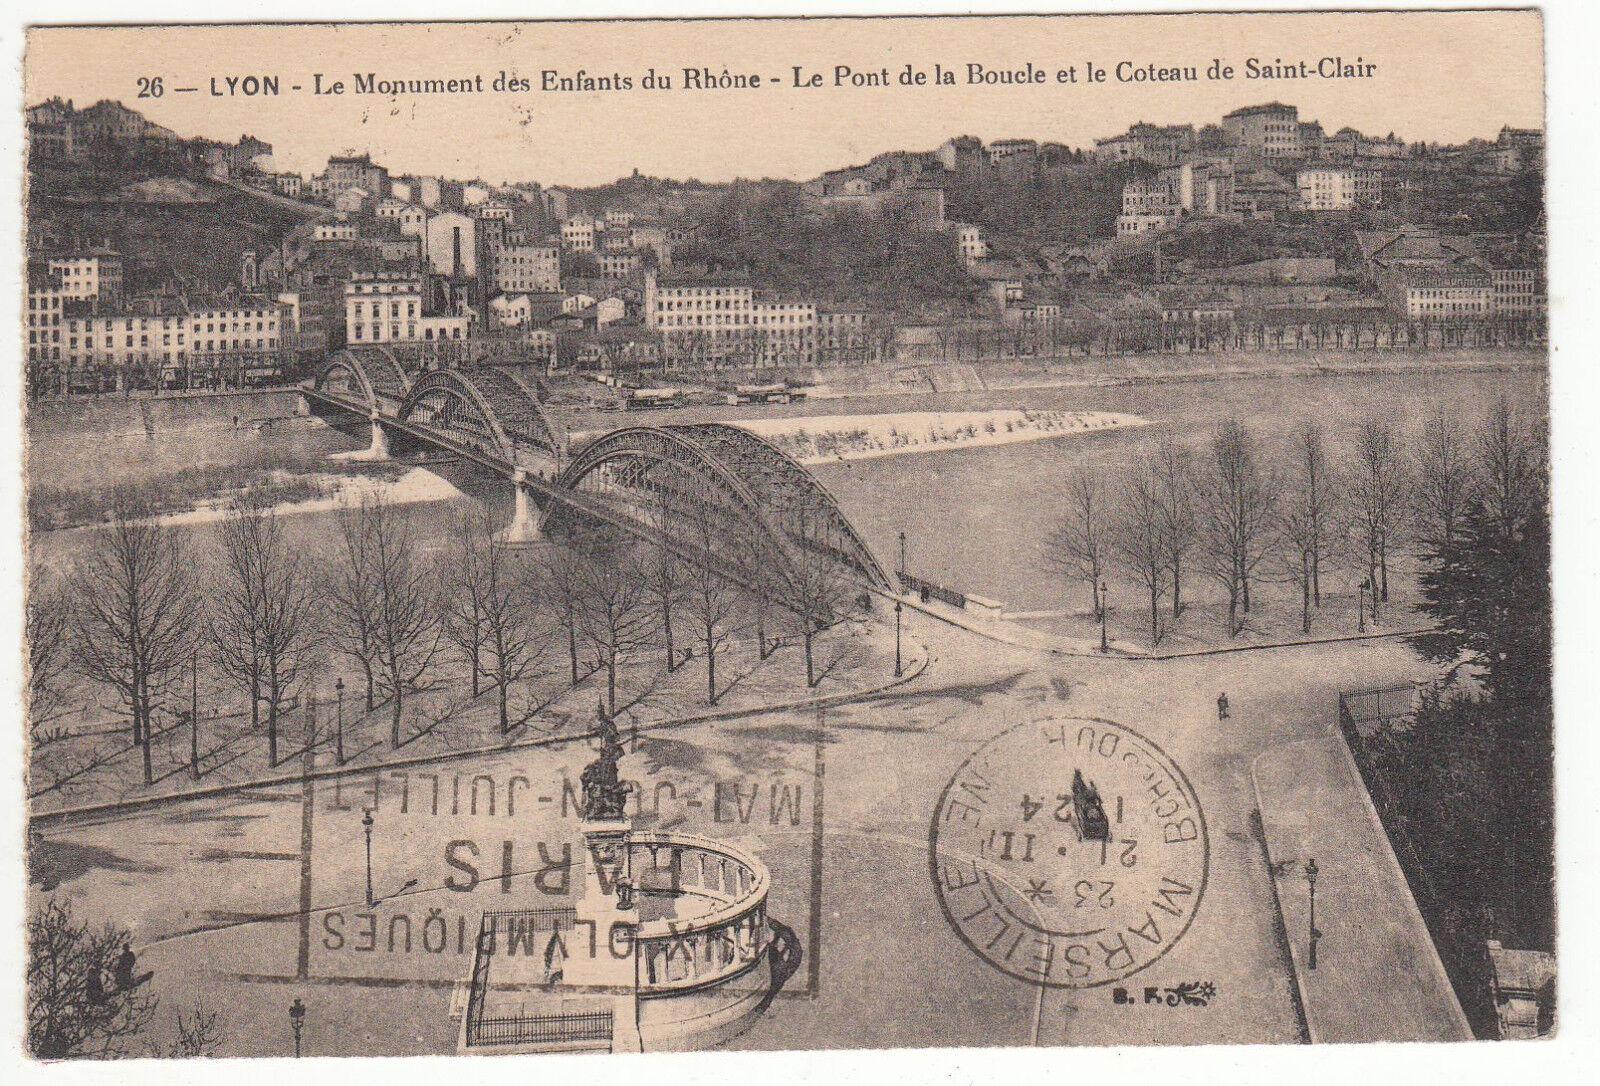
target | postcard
[{"x": 787, "y": 534}]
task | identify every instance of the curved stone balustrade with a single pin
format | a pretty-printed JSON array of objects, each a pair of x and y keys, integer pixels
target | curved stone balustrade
[{"x": 728, "y": 938}]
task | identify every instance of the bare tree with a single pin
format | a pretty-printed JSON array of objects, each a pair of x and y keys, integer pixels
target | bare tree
[
  {"x": 1236, "y": 508},
  {"x": 1512, "y": 461},
  {"x": 1377, "y": 493},
  {"x": 465, "y": 576},
  {"x": 1078, "y": 546},
  {"x": 510, "y": 645},
  {"x": 1314, "y": 500},
  {"x": 665, "y": 576},
  {"x": 1306, "y": 519},
  {"x": 614, "y": 607},
  {"x": 817, "y": 589},
  {"x": 713, "y": 601},
  {"x": 47, "y": 627},
  {"x": 400, "y": 615},
  {"x": 133, "y": 614},
  {"x": 262, "y": 626},
  {"x": 1180, "y": 524},
  {"x": 1138, "y": 537},
  {"x": 560, "y": 579},
  {"x": 199, "y": 1035},
  {"x": 1442, "y": 480},
  {"x": 351, "y": 591},
  {"x": 74, "y": 1008},
  {"x": 757, "y": 570}
]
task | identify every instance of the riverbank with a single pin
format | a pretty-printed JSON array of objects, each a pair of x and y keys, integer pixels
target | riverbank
[
  {"x": 213, "y": 495},
  {"x": 1150, "y": 369},
  {"x": 822, "y": 439}
]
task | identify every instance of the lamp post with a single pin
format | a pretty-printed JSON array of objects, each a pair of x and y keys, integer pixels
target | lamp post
[
  {"x": 1361, "y": 608},
  {"x": 1105, "y": 609},
  {"x": 366, "y": 824},
  {"x": 297, "y": 1015},
  {"x": 1311, "y": 880},
  {"x": 897, "y": 639},
  {"x": 902, "y": 559},
  {"x": 338, "y": 733}
]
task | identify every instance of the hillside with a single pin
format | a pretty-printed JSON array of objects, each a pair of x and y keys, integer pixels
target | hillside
[{"x": 167, "y": 227}]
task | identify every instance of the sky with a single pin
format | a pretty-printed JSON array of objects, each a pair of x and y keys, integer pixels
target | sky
[{"x": 1436, "y": 76}]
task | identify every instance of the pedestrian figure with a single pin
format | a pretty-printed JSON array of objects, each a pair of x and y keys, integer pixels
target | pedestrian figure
[
  {"x": 95, "y": 985},
  {"x": 1222, "y": 706}
]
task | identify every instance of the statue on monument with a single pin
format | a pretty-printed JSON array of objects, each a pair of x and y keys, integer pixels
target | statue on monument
[{"x": 605, "y": 794}]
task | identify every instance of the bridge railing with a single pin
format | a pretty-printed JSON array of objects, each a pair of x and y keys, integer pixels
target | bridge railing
[{"x": 928, "y": 590}]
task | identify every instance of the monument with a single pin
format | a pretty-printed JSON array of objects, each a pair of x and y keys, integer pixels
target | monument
[{"x": 659, "y": 950}]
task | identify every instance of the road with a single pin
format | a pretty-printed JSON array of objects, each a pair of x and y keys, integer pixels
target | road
[{"x": 260, "y": 897}]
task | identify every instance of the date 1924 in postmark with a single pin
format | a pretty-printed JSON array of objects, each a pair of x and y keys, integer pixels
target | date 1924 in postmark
[{"x": 1069, "y": 852}]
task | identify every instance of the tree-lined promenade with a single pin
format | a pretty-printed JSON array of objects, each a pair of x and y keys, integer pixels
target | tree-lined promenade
[
  {"x": 1328, "y": 503},
  {"x": 379, "y": 639}
]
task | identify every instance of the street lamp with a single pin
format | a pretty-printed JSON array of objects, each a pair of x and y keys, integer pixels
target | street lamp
[
  {"x": 366, "y": 824},
  {"x": 1105, "y": 609},
  {"x": 1311, "y": 879},
  {"x": 338, "y": 734},
  {"x": 297, "y": 1014},
  {"x": 897, "y": 639},
  {"x": 902, "y": 559}
]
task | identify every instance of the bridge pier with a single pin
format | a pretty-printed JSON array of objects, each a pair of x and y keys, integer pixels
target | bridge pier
[
  {"x": 377, "y": 451},
  {"x": 524, "y": 527}
]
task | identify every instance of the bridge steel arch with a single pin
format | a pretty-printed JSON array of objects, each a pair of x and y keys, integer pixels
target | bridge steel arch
[
  {"x": 484, "y": 409},
  {"x": 804, "y": 509},
  {"x": 697, "y": 489},
  {"x": 370, "y": 375}
]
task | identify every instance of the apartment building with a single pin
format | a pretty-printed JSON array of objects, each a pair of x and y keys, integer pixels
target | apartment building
[
  {"x": 577, "y": 234},
  {"x": 94, "y": 276},
  {"x": 387, "y": 307},
  {"x": 1339, "y": 188},
  {"x": 969, "y": 242},
  {"x": 1163, "y": 145},
  {"x": 721, "y": 320},
  {"x": 1265, "y": 131},
  {"x": 46, "y": 318},
  {"x": 347, "y": 172},
  {"x": 524, "y": 269},
  {"x": 1442, "y": 293},
  {"x": 1518, "y": 292}
]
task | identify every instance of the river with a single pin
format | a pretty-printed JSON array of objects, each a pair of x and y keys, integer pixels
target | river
[{"x": 975, "y": 518}]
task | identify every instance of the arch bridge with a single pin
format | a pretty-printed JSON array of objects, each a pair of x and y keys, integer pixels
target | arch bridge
[
  {"x": 725, "y": 498},
  {"x": 714, "y": 495}
]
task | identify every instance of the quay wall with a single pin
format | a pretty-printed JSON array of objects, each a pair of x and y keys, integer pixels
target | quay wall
[{"x": 118, "y": 416}]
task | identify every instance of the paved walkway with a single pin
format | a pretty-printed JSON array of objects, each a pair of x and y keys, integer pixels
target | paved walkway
[
  {"x": 1378, "y": 976},
  {"x": 1009, "y": 632}
]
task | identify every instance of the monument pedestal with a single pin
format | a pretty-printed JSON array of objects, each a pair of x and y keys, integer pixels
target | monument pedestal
[{"x": 613, "y": 967}]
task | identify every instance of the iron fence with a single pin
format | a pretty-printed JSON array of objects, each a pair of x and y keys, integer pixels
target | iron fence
[
  {"x": 1361, "y": 710},
  {"x": 928, "y": 590},
  {"x": 540, "y": 1029}
]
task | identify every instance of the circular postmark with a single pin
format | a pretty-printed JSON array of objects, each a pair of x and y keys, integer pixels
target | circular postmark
[{"x": 1069, "y": 852}]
